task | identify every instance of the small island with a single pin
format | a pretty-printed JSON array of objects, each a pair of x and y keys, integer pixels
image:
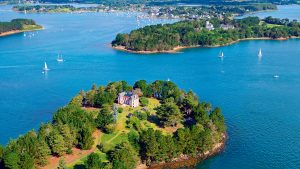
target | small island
[
  {"x": 204, "y": 33},
  {"x": 147, "y": 125},
  {"x": 18, "y": 26}
]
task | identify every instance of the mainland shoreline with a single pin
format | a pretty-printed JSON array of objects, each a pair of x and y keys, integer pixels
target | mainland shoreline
[{"x": 180, "y": 48}]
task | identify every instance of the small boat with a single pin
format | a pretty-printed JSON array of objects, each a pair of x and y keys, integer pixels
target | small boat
[
  {"x": 46, "y": 67},
  {"x": 59, "y": 58},
  {"x": 221, "y": 55},
  {"x": 276, "y": 76},
  {"x": 260, "y": 53}
]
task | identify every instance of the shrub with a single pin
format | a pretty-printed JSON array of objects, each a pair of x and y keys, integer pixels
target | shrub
[
  {"x": 120, "y": 110},
  {"x": 144, "y": 101}
]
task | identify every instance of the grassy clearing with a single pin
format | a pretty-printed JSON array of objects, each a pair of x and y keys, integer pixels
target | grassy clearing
[
  {"x": 31, "y": 27},
  {"x": 269, "y": 25},
  {"x": 109, "y": 141},
  {"x": 273, "y": 25},
  {"x": 78, "y": 164}
]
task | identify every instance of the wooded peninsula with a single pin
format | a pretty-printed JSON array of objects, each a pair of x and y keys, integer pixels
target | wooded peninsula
[
  {"x": 204, "y": 33},
  {"x": 17, "y": 26},
  {"x": 120, "y": 126}
]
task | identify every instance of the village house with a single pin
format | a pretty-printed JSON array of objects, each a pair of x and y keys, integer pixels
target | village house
[
  {"x": 209, "y": 26},
  {"x": 128, "y": 98},
  {"x": 226, "y": 27}
]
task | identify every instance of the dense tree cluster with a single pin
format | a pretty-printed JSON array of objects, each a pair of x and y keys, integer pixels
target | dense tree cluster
[
  {"x": 15, "y": 24},
  {"x": 284, "y": 22},
  {"x": 71, "y": 126},
  {"x": 197, "y": 126},
  {"x": 194, "y": 33}
]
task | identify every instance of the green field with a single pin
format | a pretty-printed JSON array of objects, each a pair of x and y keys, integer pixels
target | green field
[
  {"x": 31, "y": 27},
  {"x": 269, "y": 25}
]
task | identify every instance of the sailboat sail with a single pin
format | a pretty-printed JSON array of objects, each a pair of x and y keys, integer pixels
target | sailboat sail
[
  {"x": 46, "y": 67},
  {"x": 260, "y": 53},
  {"x": 221, "y": 55}
]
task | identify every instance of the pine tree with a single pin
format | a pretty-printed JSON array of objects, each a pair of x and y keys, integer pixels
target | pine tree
[
  {"x": 57, "y": 143},
  {"x": 62, "y": 164}
]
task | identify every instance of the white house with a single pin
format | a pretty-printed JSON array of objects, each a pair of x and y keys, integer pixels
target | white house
[
  {"x": 129, "y": 98},
  {"x": 226, "y": 27},
  {"x": 209, "y": 26}
]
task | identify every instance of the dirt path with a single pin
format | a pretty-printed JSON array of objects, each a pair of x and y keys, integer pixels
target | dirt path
[
  {"x": 77, "y": 154},
  {"x": 110, "y": 140}
]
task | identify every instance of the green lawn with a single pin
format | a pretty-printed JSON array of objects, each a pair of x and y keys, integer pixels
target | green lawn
[
  {"x": 109, "y": 141},
  {"x": 31, "y": 27},
  {"x": 273, "y": 25},
  {"x": 269, "y": 25},
  {"x": 79, "y": 164}
]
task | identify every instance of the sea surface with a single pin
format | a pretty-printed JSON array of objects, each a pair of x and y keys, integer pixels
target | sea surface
[{"x": 262, "y": 112}]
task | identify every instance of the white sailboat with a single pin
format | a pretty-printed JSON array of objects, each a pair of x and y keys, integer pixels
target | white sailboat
[
  {"x": 221, "y": 55},
  {"x": 46, "y": 67},
  {"x": 260, "y": 53},
  {"x": 59, "y": 58}
]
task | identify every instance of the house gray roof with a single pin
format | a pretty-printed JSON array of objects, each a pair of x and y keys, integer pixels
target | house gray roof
[{"x": 127, "y": 94}]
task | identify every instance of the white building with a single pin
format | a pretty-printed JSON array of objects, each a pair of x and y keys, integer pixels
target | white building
[
  {"x": 129, "y": 98},
  {"x": 226, "y": 27},
  {"x": 209, "y": 26}
]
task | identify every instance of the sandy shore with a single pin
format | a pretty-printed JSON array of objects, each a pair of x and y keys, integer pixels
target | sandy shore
[
  {"x": 17, "y": 31},
  {"x": 179, "y": 48},
  {"x": 174, "y": 50},
  {"x": 188, "y": 162}
]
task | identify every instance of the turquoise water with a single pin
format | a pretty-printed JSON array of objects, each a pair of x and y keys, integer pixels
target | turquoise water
[{"x": 262, "y": 113}]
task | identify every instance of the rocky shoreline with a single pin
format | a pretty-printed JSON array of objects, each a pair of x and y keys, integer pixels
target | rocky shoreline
[{"x": 189, "y": 162}]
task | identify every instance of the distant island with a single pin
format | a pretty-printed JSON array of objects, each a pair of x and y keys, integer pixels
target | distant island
[
  {"x": 17, "y": 26},
  {"x": 204, "y": 33},
  {"x": 118, "y": 126}
]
